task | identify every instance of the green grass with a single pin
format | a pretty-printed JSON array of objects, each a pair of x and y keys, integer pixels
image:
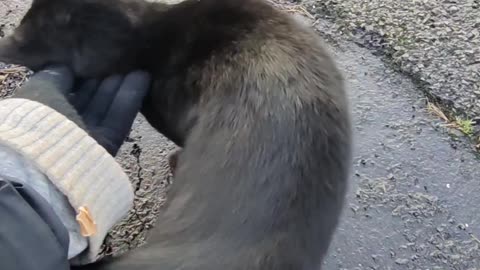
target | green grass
[{"x": 465, "y": 125}]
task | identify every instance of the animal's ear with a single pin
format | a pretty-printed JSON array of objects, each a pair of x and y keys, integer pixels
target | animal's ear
[
  {"x": 42, "y": 2},
  {"x": 9, "y": 52},
  {"x": 61, "y": 17},
  {"x": 39, "y": 2}
]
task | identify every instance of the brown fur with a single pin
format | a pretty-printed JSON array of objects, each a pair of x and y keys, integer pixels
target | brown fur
[{"x": 253, "y": 98}]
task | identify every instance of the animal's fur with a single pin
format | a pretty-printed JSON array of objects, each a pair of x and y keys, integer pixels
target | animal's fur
[
  {"x": 253, "y": 98},
  {"x": 172, "y": 160}
]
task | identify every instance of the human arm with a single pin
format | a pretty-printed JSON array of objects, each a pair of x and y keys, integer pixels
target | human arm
[{"x": 74, "y": 164}]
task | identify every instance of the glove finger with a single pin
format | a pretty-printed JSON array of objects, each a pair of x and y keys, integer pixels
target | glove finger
[
  {"x": 59, "y": 76},
  {"x": 102, "y": 98},
  {"x": 82, "y": 95},
  {"x": 53, "y": 78},
  {"x": 127, "y": 103},
  {"x": 104, "y": 137}
]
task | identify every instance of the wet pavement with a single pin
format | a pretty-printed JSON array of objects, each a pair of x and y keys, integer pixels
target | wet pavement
[{"x": 414, "y": 193}]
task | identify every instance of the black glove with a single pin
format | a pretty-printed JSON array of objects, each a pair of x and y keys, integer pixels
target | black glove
[
  {"x": 50, "y": 87},
  {"x": 106, "y": 109}
]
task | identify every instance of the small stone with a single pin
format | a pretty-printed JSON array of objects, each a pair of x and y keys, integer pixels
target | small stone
[
  {"x": 411, "y": 237},
  {"x": 453, "y": 9},
  {"x": 401, "y": 261},
  {"x": 455, "y": 257}
]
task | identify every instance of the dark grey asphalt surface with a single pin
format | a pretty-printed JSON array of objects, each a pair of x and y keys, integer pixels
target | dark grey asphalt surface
[{"x": 414, "y": 194}]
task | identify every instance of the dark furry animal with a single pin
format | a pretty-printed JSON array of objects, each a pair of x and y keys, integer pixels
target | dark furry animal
[{"x": 253, "y": 98}]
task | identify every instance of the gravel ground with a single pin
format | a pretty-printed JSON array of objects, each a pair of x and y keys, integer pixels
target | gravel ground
[
  {"x": 11, "y": 77},
  {"x": 414, "y": 196},
  {"x": 437, "y": 42}
]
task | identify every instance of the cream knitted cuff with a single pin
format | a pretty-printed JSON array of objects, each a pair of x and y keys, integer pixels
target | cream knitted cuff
[{"x": 78, "y": 166}]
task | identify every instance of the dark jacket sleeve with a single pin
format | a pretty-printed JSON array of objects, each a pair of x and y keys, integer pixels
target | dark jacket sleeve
[{"x": 31, "y": 234}]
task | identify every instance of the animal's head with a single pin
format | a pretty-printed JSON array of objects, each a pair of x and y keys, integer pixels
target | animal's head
[{"x": 93, "y": 37}]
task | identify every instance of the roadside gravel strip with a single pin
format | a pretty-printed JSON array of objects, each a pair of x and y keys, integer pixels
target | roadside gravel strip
[{"x": 437, "y": 42}]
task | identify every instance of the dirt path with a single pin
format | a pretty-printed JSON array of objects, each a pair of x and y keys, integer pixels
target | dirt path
[{"x": 413, "y": 200}]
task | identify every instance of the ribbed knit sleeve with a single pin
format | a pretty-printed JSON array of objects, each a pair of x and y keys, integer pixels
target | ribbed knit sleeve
[{"x": 90, "y": 178}]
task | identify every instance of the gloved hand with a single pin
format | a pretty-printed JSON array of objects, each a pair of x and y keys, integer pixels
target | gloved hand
[
  {"x": 105, "y": 109},
  {"x": 50, "y": 87},
  {"x": 109, "y": 107}
]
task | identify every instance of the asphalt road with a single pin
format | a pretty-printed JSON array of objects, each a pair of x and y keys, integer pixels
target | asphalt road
[{"x": 414, "y": 194}]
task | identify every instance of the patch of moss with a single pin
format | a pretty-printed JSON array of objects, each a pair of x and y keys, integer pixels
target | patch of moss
[{"x": 465, "y": 125}]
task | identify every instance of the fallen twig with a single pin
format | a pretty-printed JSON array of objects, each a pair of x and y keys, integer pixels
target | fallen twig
[{"x": 435, "y": 110}]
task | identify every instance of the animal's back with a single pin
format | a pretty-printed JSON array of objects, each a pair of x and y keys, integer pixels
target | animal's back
[{"x": 266, "y": 143}]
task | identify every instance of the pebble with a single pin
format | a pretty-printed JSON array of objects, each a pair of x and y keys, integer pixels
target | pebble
[{"x": 401, "y": 261}]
